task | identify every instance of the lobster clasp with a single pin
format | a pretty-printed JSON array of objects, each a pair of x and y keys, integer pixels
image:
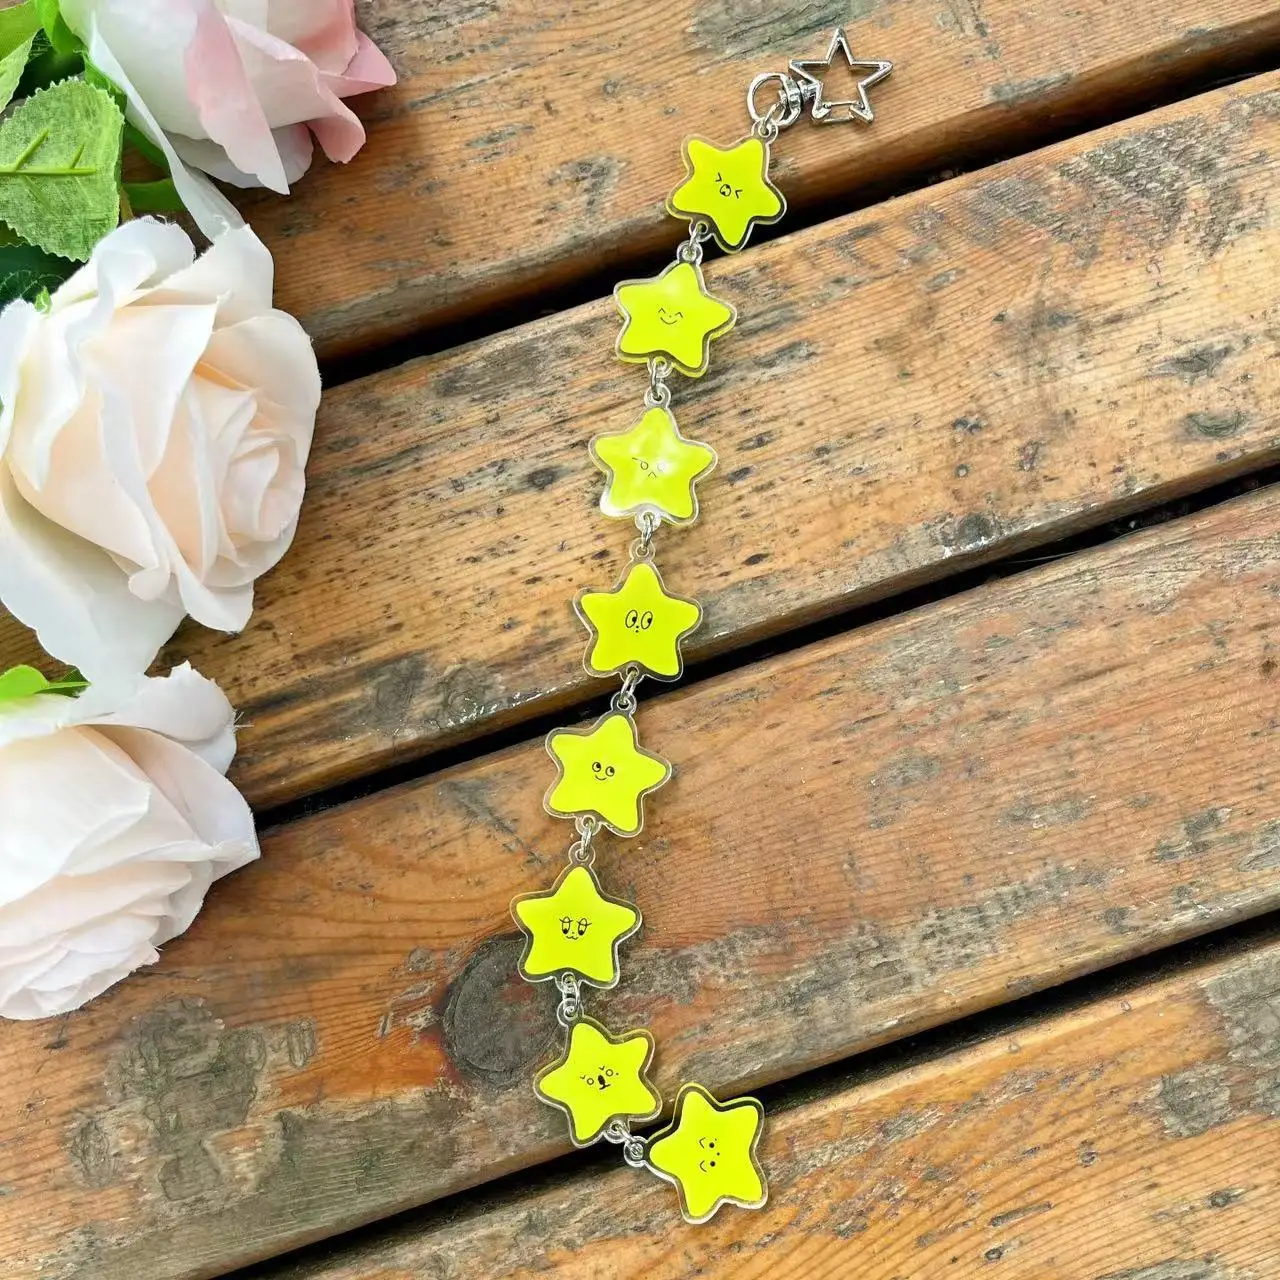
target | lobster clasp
[{"x": 805, "y": 84}]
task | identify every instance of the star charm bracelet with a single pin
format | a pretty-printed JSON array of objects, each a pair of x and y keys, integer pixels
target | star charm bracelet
[{"x": 637, "y": 628}]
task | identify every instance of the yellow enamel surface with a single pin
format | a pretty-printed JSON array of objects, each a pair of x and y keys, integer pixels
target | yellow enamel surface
[
  {"x": 651, "y": 467},
  {"x": 605, "y": 772},
  {"x": 709, "y": 1153},
  {"x": 729, "y": 187},
  {"x": 637, "y": 622},
  {"x": 574, "y": 928},
  {"x": 600, "y": 1079},
  {"x": 671, "y": 315}
]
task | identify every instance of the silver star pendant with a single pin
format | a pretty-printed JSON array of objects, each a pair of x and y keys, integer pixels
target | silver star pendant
[{"x": 810, "y": 73}]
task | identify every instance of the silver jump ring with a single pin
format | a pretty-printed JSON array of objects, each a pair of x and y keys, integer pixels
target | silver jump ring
[{"x": 784, "y": 110}]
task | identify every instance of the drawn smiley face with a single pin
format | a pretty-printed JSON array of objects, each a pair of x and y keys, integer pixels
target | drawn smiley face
[
  {"x": 601, "y": 1079},
  {"x": 637, "y": 621},
  {"x": 602, "y": 770},
  {"x": 726, "y": 189},
  {"x": 709, "y": 1153},
  {"x": 573, "y": 927},
  {"x": 669, "y": 316}
]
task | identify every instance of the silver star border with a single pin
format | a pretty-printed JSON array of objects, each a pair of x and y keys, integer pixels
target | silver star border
[{"x": 810, "y": 84}]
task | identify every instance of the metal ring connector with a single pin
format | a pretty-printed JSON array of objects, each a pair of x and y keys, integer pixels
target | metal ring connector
[
  {"x": 625, "y": 699},
  {"x": 786, "y": 107}
]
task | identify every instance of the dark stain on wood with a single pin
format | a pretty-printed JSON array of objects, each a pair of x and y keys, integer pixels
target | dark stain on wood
[
  {"x": 193, "y": 1080},
  {"x": 1193, "y": 1101},
  {"x": 497, "y": 1026}
]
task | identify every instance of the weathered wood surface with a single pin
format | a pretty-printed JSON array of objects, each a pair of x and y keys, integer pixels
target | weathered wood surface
[
  {"x": 529, "y": 143},
  {"x": 973, "y": 369},
  {"x": 1131, "y": 1139},
  {"x": 877, "y": 833}
]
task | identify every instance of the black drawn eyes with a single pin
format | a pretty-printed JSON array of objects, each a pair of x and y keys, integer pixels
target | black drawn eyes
[
  {"x": 601, "y": 1079},
  {"x": 574, "y": 929},
  {"x": 727, "y": 189},
  {"x": 638, "y": 622},
  {"x": 602, "y": 770},
  {"x": 709, "y": 1145}
]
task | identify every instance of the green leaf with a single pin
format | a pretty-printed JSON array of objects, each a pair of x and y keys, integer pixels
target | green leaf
[
  {"x": 27, "y": 682},
  {"x": 47, "y": 66},
  {"x": 26, "y": 272},
  {"x": 160, "y": 196},
  {"x": 17, "y": 25},
  {"x": 63, "y": 39},
  {"x": 104, "y": 82},
  {"x": 60, "y": 168},
  {"x": 12, "y": 65},
  {"x": 21, "y": 682}
]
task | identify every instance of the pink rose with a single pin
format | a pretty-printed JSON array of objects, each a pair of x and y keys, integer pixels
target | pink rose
[
  {"x": 236, "y": 88},
  {"x": 155, "y": 421},
  {"x": 117, "y": 818}
]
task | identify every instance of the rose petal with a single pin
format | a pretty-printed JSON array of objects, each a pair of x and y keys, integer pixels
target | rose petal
[{"x": 73, "y": 595}]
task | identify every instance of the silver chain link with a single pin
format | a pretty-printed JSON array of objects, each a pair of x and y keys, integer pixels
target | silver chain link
[
  {"x": 658, "y": 396},
  {"x": 581, "y": 852},
  {"x": 691, "y": 249},
  {"x": 569, "y": 1009},
  {"x": 633, "y": 1149},
  {"x": 625, "y": 699}
]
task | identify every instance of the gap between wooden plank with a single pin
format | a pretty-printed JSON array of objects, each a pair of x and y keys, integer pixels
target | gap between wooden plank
[
  {"x": 524, "y": 149},
  {"x": 800, "y": 637},
  {"x": 1048, "y": 344},
  {"x": 878, "y": 1191},
  {"x": 1007, "y": 789}
]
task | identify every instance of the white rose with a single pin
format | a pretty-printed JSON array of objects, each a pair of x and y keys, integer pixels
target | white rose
[
  {"x": 154, "y": 426},
  {"x": 114, "y": 820},
  {"x": 235, "y": 87}
]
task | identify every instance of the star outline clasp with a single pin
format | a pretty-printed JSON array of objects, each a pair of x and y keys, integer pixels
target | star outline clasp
[{"x": 812, "y": 85}]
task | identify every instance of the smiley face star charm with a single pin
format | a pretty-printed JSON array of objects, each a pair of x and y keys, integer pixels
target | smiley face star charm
[
  {"x": 604, "y": 773},
  {"x": 637, "y": 622},
  {"x": 709, "y": 1153},
  {"x": 673, "y": 316},
  {"x": 600, "y": 1079},
  {"x": 730, "y": 187},
  {"x": 651, "y": 468},
  {"x": 573, "y": 929}
]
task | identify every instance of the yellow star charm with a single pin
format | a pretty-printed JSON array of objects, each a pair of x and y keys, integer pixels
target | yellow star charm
[
  {"x": 731, "y": 187},
  {"x": 573, "y": 929},
  {"x": 709, "y": 1152},
  {"x": 672, "y": 315},
  {"x": 637, "y": 622},
  {"x": 600, "y": 1080},
  {"x": 651, "y": 467},
  {"x": 604, "y": 772}
]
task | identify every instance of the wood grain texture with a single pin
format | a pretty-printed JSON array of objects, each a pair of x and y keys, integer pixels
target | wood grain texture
[
  {"x": 1131, "y": 1139},
  {"x": 867, "y": 836},
  {"x": 974, "y": 369},
  {"x": 529, "y": 143}
]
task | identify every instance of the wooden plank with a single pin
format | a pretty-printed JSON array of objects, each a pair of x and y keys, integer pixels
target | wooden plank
[
  {"x": 867, "y": 836},
  {"x": 1131, "y": 1139},
  {"x": 975, "y": 369},
  {"x": 528, "y": 144}
]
